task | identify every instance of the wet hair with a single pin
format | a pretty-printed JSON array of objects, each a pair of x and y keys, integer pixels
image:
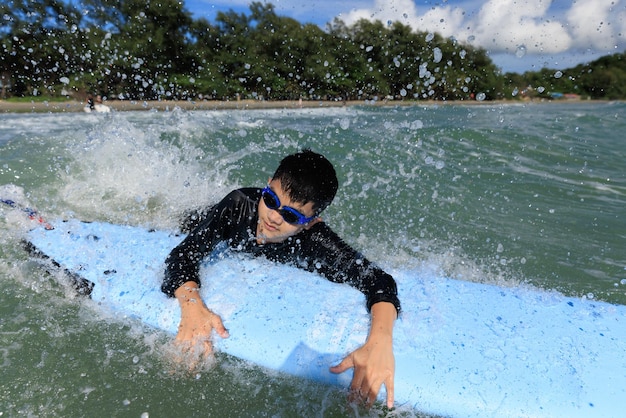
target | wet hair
[{"x": 308, "y": 177}]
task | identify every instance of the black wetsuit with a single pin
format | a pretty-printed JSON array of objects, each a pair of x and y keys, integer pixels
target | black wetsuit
[{"x": 318, "y": 249}]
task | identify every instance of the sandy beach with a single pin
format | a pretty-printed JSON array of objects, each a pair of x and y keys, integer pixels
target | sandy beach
[{"x": 169, "y": 105}]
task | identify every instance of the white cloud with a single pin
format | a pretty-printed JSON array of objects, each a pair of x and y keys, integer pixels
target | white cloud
[
  {"x": 446, "y": 21},
  {"x": 505, "y": 25},
  {"x": 597, "y": 24},
  {"x": 499, "y": 25},
  {"x": 383, "y": 10}
]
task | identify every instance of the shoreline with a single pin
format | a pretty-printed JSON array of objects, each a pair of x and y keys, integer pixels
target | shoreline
[
  {"x": 163, "y": 105},
  {"x": 169, "y": 105}
]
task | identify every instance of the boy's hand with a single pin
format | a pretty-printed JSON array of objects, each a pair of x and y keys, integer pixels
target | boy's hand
[
  {"x": 196, "y": 321},
  {"x": 373, "y": 363}
]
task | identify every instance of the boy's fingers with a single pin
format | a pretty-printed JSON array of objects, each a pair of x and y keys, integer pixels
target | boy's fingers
[
  {"x": 218, "y": 326},
  {"x": 346, "y": 364},
  {"x": 390, "y": 394}
]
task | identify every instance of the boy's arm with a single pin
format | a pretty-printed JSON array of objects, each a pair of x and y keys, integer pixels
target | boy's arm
[
  {"x": 196, "y": 320},
  {"x": 373, "y": 363}
]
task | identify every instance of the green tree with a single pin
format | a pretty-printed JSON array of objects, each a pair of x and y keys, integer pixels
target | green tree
[
  {"x": 604, "y": 78},
  {"x": 139, "y": 45},
  {"x": 234, "y": 46},
  {"x": 154, "y": 49},
  {"x": 369, "y": 38},
  {"x": 205, "y": 75},
  {"x": 41, "y": 45}
]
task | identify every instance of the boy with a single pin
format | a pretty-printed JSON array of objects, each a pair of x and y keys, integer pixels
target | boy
[{"x": 282, "y": 223}]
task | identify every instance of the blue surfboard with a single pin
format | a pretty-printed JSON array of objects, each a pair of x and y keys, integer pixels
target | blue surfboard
[{"x": 462, "y": 349}]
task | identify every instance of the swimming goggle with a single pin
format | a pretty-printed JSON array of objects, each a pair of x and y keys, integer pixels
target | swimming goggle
[{"x": 289, "y": 214}]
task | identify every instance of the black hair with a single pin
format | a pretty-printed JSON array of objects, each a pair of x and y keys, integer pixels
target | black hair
[{"x": 308, "y": 177}]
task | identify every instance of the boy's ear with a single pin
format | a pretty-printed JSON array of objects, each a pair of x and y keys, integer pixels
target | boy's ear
[{"x": 313, "y": 222}]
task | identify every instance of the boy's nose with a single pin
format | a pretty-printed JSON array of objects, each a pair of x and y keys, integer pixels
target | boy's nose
[{"x": 275, "y": 217}]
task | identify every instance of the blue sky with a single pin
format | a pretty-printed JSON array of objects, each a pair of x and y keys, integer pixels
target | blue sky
[{"x": 520, "y": 35}]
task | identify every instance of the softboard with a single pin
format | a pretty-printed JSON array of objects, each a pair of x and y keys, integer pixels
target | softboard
[{"x": 462, "y": 349}]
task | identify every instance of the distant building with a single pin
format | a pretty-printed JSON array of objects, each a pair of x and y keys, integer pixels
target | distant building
[
  {"x": 571, "y": 96},
  {"x": 564, "y": 96}
]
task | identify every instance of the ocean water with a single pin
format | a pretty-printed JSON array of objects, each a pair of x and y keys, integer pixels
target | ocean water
[{"x": 510, "y": 194}]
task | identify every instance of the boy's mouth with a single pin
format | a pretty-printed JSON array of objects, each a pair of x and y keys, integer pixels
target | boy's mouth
[{"x": 269, "y": 227}]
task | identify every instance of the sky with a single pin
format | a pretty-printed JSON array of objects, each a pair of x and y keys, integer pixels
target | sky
[{"x": 519, "y": 35}]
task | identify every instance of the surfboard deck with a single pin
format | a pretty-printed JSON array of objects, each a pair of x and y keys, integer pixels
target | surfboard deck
[{"x": 462, "y": 349}]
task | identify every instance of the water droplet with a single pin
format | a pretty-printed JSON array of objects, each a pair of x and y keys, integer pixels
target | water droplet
[
  {"x": 521, "y": 51},
  {"x": 438, "y": 55},
  {"x": 481, "y": 96},
  {"x": 558, "y": 74}
]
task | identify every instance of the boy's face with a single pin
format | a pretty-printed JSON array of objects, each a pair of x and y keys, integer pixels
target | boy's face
[{"x": 272, "y": 227}]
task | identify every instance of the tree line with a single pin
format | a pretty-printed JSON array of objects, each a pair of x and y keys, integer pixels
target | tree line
[{"x": 138, "y": 49}]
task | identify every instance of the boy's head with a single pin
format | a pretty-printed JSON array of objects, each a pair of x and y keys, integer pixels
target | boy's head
[{"x": 308, "y": 177}]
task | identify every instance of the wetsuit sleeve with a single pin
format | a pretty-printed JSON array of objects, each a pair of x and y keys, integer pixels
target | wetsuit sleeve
[
  {"x": 219, "y": 223},
  {"x": 330, "y": 256}
]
